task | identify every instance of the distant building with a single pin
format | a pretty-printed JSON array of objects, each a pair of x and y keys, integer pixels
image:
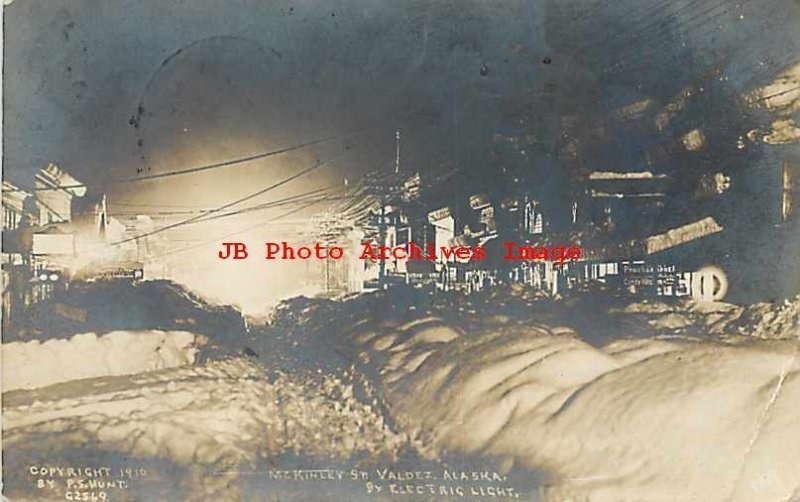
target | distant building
[
  {"x": 53, "y": 236},
  {"x": 15, "y": 270},
  {"x": 13, "y": 201},
  {"x": 55, "y": 190}
]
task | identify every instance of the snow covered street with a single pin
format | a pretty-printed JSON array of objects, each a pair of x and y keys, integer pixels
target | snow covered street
[
  {"x": 683, "y": 406},
  {"x": 211, "y": 421}
]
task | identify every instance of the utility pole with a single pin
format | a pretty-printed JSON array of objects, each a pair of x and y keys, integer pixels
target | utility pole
[
  {"x": 384, "y": 187},
  {"x": 382, "y": 224},
  {"x": 382, "y": 237},
  {"x": 327, "y": 273}
]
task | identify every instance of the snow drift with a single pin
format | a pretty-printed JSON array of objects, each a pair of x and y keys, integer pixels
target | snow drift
[
  {"x": 209, "y": 421},
  {"x": 636, "y": 420},
  {"x": 28, "y": 365}
]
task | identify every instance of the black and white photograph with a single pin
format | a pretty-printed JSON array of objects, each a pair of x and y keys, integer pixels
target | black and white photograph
[{"x": 400, "y": 250}]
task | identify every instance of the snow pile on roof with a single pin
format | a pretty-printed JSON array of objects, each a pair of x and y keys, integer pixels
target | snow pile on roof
[{"x": 28, "y": 365}]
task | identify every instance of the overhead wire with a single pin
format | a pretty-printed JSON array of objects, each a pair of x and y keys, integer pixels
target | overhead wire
[
  {"x": 253, "y": 195},
  {"x": 238, "y": 232},
  {"x": 206, "y": 209},
  {"x": 206, "y": 167}
]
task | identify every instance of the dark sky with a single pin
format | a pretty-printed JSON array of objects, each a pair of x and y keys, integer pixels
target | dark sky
[
  {"x": 120, "y": 89},
  {"x": 224, "y": 79},
  {"x": 252, "y": 76}
]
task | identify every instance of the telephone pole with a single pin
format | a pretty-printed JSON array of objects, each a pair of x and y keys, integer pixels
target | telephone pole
[{"x": 385, "y": 187}]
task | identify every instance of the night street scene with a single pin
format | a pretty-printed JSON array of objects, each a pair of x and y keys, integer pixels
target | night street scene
[{"x": 362, "y": 250}]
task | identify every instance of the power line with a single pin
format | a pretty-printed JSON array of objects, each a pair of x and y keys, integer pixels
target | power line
[
  {"x": 271, "y": 205},
  {"x": 206, "y": 209},
  {"x": 224, "y": 206},
  {"x": 248, "y": 229},
  {"x": 320, "y": 198},
  {"x": 134, "y": 204},
  {"x": 216, "y": 165},
  {"x": 216, "y": 239}
]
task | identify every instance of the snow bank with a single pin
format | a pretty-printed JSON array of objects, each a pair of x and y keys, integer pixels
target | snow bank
[
  {"x": 28, "y": 365},
  {"x": 767, "y": 320},
  {"x": 215, "y": 419},
  {"x": 640, "y": 420}
]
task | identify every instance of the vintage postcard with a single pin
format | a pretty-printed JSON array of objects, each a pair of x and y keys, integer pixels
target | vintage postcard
[{"x": 401, "y": 250}]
